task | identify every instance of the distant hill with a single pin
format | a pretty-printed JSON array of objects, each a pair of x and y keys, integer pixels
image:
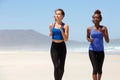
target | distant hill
[
  {"x": 20, "y": 39},
  {"x": 23, "y": 39}
]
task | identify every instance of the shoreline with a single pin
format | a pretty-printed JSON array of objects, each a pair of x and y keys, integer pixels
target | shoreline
[{"x": 47, "y": 51}]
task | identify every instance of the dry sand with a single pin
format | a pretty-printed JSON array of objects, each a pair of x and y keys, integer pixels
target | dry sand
[{"x": 24, "y": 65}]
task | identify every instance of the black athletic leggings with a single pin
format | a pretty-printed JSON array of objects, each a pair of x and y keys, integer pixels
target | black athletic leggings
[
  {"x": 58, "y": 55},
  {"x": 97, "y": 59}
]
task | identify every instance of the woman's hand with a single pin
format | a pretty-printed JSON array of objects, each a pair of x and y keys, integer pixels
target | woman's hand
[
  {"x": 50, "y": 28},
  {"x": 90, "y": 39}
]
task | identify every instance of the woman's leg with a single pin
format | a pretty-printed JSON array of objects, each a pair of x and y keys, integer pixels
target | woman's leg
[
  {"x": 58, "y": 55},
  {"x": 99, "y": 76},
  {"x": 94, "y": 76},
  {"x": 93, "y": 59},
  {"x": 100, "y": 61},
  {"x": 62, "y": 60},
  {"x": 55, "y": 60}
]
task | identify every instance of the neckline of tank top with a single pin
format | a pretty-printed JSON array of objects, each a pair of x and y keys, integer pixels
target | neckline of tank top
[{"x": 62, "y": 24}]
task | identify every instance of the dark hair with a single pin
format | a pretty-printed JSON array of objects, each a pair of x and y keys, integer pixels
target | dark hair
[
  {"x": 62, "y": 11},
  {"x": 98, "y": 12}
]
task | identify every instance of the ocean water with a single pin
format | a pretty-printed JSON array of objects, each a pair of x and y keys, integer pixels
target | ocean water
[{"x": 113, "y": 47}]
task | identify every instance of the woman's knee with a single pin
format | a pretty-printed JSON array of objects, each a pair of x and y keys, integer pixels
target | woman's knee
[
  {"x": 99, "y": 71},
  {"x": 95, "y": 70}
]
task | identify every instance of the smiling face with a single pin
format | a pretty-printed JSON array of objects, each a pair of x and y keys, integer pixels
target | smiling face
[
  {"x": 96, "y": 18},
  {"x": 58, "y": 15}
]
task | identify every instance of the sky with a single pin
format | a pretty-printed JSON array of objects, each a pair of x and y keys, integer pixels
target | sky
[{"x": 38, "y": 14}]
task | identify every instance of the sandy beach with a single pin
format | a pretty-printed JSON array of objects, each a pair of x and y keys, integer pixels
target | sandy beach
[{"x": 24, "y": 65}]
